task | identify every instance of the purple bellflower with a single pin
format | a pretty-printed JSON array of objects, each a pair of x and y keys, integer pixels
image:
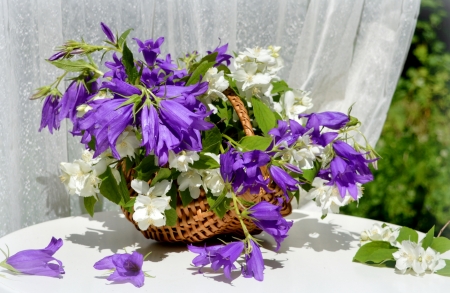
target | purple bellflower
[
  {"x": 109, "y": 34},
  {"x": 242, "y": 170},
  {"x": 127, "y": 268},
  {"x": 38, "y": 262},
  {"x": 221, "y": 55},
  {"x": 283, "y": 179},
  {"x": 218, "y": 256},
  {"x": 50, "y": 114},
  {"x": 254, "y": 263},
  {"x": 150, "y": 49},
  {"x": 268, "y": 218}
]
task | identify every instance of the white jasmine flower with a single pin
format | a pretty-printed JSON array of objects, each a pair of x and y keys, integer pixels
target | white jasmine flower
[
  {"x": 409, "y": 256},
  {"x": 328, "y": 197},
  {"x": 190, "y": 179},
  {"x": 127, "y": 143},
  {"x": 260, "y": 55},
  {"x": 91, "y": 186},
  {"x": 182, "y": 160},
  {"x": 216, "y": 83},
  {"x": 432, "y": 260},
  {"x": 150, "y": 203},
  {"x": 379, "y": 233},
  {"x": 74, "y": 175},
  {"x": 249, "y": 77},
  {"x": 294, "y": 103}
]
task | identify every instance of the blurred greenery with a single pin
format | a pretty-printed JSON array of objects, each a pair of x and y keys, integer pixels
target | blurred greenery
[{"x": 412, "y": 185}]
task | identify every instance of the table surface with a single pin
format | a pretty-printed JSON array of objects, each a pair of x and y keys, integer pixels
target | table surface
[{"x": 316, "y": 257}]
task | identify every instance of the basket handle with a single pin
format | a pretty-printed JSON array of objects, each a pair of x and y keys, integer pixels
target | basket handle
[{"x": 241, "y": 111}]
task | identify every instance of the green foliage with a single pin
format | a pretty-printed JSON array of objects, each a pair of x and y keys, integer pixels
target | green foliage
[
  {"x": 375, "y": 252},
  {"x": 412, "y": 186}
]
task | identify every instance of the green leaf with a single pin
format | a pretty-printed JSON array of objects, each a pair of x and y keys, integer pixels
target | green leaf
[
  {"x": 163, "y": 174},
  {"x": 428, "y": 239},
  {"x": 279, "y": 86},
  {"x": 130, "y": 203},
  {"x": 263, "y": 115},
  {"x": 212, "y": 140},
  {"x": 123, "y": 188},
  {"x": 375, "y": 251},
  {"x": 210, "y": 57},
  {"x": 219, "y": 205},
  {"x": 199, "y": 71},
  {"x": 171, "y": 217},
  {"x": 446, "y": 270},
  {"x": 109, "y": 187},
  {"x": 89, "y": 203},
  {"x": 123, "y": 37},
  {"x": 173, "y": 193},
  {"x": 146, "y": 169},
  {"x": 186, "y": 197},
  {"x": 249, "y": 143},
  {"x": 128, "y": 62},
  {"x": 441, "y": 244},
  {"x": 72, "y": 66},
  {"x": 310, "y": 174},
  {"x": 224, "y": 113},
  {"x": 223, "y": 68},
  {"x": 407, "y": 234},
  {"x": 205, "y": 162}
]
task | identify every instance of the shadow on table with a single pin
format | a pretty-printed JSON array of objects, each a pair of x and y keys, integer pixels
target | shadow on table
[
  {"x": 117, "y": 233},
  {"x": 314, "y": 234}
]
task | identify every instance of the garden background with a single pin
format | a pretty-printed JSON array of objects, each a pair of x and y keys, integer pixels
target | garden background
[{"x": 412, "y": 183}]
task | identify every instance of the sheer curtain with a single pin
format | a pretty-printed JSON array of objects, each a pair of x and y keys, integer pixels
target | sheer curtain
[{"x": 343, "y": 51}]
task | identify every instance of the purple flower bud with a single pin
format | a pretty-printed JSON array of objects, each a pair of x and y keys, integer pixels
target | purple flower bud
[
  {"x": 50, "y": 114},
  {"x": 283, "y": 179},
  {"x": 127, "y": 268},
  {"x": 56, "y": 56},
  {"x": 37, "y": 261},
  {"x": 109, "y": 34}
]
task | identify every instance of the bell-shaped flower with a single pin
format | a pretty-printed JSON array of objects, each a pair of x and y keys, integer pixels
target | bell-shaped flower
[
  {"x": 126, "y": 268},
  {"x": 150, "y": 49},
  {"x": 283, "y": 179},
  {"x": 254, "y": 263},
  {"x": 50, "y": 114},
  {"x": 268, "y": 218},
  {"x": 36, "y": 261}
]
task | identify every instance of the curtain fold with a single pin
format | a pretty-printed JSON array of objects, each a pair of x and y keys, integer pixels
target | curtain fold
[{"x": 344, "y": 52}]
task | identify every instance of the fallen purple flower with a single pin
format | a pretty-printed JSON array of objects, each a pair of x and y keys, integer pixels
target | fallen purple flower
[
  {"x": 127, "y": 267},
  {"x": 38, "y": 262}
]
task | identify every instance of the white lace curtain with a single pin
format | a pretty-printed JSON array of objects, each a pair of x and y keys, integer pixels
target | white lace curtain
[{"x": 343, "y": 51}]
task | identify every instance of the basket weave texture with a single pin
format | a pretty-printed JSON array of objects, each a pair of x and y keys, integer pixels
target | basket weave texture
[{"x": 195, "y": 221}]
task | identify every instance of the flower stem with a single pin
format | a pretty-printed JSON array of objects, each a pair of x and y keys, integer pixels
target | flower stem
[
  {"x": 238, "y": 213},
  {"x": 232, "y": 141}
]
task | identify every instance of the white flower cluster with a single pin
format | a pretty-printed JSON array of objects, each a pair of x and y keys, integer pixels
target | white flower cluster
[
  {"x": 81, "y": 176},
  {"x": 413, "y": 256},
  {"x": 328, "y": 198},
  {"x": 293, "y": 103},
  {"x": 191, "y": 178},
  {"x": 151, "y": 203},
  {"x": 379, "y": 233},
  {"x": 216, "y": 85},
  {"x": 255, "y": 70}
]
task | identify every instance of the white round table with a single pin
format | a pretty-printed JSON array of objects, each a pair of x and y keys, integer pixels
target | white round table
[{"x": 316, "y": 257}]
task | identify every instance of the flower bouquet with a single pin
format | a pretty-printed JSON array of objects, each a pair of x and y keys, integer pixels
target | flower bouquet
[{"x": 201, "y": 146}]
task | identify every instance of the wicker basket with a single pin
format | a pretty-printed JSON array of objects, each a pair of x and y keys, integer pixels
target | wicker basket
[{"x": 196, "y": 222}]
